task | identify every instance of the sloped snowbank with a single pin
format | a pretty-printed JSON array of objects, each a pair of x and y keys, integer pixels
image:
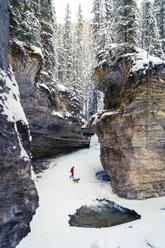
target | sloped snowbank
[{"x": 59, "y": 196}]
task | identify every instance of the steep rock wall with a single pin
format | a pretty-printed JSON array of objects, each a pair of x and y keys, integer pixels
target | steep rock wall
[
  {"x": 132, "y": 130},
  {"x": 18, "y": 195},
  {"x": 32, "y": 58}
]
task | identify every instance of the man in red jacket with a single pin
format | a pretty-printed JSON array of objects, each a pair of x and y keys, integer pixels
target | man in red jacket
[{"x": 72, "y": 172}]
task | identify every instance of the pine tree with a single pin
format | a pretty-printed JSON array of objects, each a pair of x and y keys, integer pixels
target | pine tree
[
  {"x": 67, "y": 41},
  {"x": 159, "y": 12},
  {"x": 55, "y": 41},
  {"x": 90, "y": 92},
  {"x": 125, "y": 23},
  {"x": 79, "y": 40},
  {"x": 61, "y": 63},
  {"x": 98, "y": 25},
  {"x": 109, "y": 21},
  {"x": 80, "y": 55},
  {"x": 150, "y": 34},
  {"x": 77, "y": 83}
]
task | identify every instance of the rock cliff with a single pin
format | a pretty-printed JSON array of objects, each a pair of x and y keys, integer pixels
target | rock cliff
[
  {"x": 132, "y": 129},
  {"x": 18, "y": 195},
  {"x": 54, "y": 127}
]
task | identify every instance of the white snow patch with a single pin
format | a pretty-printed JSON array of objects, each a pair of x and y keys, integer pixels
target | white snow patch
[
  {"x": 107, "y": 114},
  {"x": 96, "y": 117},
  {"x": 12, "y": 107},
  {"x": 57, "y": 114},
  {"x": 64, "y": 114},
  {"x": 42, "y": 85},
  {"x": 142, "y": 59},
  {"x": 62, "y": 88},
  {"x": 67, "y": 114},
  {"x": 23, "y": 153},
  {"x": 33, "y": 176},
  {"x": 37, "y": 50},
  {"x": 84, "y": 125}
]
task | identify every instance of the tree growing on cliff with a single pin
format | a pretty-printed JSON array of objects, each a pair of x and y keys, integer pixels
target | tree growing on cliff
[
  {"x": 150, "y": 34},
  {"x": 159, "y": 13},
  {"x": 109, "y": 21},
  {"x": 99, "y": 25},
  {"x": 125, "y": 23}
]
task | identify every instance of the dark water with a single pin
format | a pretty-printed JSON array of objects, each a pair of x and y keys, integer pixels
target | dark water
[
  {"x": 102, "y": 215},
  {"x": 102, "y": 176}
]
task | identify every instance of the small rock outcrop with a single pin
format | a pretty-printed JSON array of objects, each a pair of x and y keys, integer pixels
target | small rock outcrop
[
  {"x": 18, "y": 195},
  {"x": 131, "y": 130},
  {"x": 54, "y": 127}
]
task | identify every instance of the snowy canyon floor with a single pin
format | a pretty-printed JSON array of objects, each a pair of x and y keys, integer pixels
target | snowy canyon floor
[{"x": 59, "y": 197}]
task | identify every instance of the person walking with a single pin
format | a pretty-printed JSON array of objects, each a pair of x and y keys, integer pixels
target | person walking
[{"x": 72, "y": 172}]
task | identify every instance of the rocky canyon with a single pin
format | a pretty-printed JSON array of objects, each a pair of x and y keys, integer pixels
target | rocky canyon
[
  {"x": 18, "y": 195},
  {"x": 40, "y": 119},
  {"x": 30, "y": 104},
  {"x": 131, "y": 130},
  {"x": 32, "y": 58}
]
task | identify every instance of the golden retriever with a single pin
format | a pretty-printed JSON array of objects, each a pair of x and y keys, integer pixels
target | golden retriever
[{"x": 76, "y": 180}]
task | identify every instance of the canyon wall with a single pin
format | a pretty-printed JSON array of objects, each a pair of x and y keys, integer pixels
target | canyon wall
[
  {"x": 131, "y": 130},
  {"x": 54, "y": 126},
  {"x": 18, "y": 195}
]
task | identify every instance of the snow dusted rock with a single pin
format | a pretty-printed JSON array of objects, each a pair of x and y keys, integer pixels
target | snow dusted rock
[
  {"x": 47, "y": 105},
  {"x": 18, "y": 195},
  {"x": 53, "y": 128},
  {"x": 132, "y": 135}
]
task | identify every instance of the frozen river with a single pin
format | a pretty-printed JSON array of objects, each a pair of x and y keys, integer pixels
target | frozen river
[{"x": 59, "y": 197}]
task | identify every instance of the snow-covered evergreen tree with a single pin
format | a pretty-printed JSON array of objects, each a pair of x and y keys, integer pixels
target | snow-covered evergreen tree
[
  {"x": 125, "y": 23},
  {"x": 67, "y": 41},
  {"x": 150, "y": 34},
  {"x": 61, "y": 63},
  {"x": 55, "y": 40},
  {"x": 109, "y": 21},
  {"x": 99, "y": 25},
  {"x": 89, "y": 98},
  {"x": 75, "y": 63},
  {"x": 79, "y": 41},
  {"x": 77, "y": 83},
  {"x": 159, "y": 12}
]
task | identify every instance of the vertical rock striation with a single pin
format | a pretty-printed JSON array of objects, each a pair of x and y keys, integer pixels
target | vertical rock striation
[
  {"x": 18, "y": 196},
  {"x": 132, "y": 130}
]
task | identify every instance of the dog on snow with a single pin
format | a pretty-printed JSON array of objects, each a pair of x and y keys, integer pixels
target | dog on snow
[{"x": 76, "y": 180}]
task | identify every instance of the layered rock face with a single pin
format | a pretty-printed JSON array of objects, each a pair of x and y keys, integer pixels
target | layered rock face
[
  {"x": 32, "y": 58},
  {"x": 52, "y": 133},
  {"x": 18, "y": 195},
  {"x": 132, "y": 135}
]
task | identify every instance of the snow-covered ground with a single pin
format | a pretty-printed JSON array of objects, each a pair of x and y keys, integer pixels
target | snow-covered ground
[{"x": 59, "y": 197}]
